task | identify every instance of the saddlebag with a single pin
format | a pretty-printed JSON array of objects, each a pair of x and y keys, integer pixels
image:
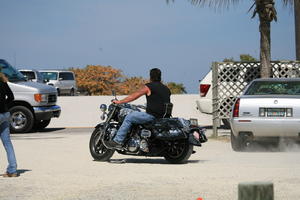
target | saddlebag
[{"x": 169, "y": 129}]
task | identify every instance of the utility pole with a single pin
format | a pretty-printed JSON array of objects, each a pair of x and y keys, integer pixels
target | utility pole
[{"x": 297, "y": 27}]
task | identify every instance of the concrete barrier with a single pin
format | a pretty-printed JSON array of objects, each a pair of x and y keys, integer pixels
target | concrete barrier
[
  {"x": 256, "y": 191},
  {"x": 83, "y": 111}
]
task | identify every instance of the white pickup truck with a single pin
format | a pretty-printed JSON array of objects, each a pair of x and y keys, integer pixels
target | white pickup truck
[{"x": 34, "y": 104}]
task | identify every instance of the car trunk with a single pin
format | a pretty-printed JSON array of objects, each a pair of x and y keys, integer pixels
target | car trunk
[{"x": 271, "y": 115}]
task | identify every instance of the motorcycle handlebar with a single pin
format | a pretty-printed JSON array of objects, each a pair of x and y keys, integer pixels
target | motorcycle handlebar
[{"x": 132, "y": 105}]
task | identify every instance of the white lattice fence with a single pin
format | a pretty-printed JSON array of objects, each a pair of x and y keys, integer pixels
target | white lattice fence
[{"x": 230, "y": 79}]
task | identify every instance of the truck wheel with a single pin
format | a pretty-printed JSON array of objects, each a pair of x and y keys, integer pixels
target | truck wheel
[
  {"x": 58, "y": 92},
  {"x": 21, "y": 120},
  {"x": 72, "y": 92},
  {"x": 40, "y": 125}
]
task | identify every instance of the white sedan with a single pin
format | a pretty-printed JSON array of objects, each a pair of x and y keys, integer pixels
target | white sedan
[{"x": 268, "y": 109}]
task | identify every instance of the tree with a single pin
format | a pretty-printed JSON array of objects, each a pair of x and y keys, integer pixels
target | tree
[
  {"x": 98, "y": 80},
  {"x": 243, "y": 58},
  {"x": 297, "y": 26},
  {"x": 130, "y": 85},
  {"x": 266, "y": 13},
  {"x": 247, "y": 58},
  {"x": 228, "y": 59},
  {"x": 101, "y": 80},
  {"x": 176, "y": 88}
]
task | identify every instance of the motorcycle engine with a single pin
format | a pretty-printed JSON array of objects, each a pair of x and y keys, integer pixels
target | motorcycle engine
[
  {"x": 139, "y": 143},
  {"x": 133, "y": 144}
]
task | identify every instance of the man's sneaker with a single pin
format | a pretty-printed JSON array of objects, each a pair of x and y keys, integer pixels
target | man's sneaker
[
  {"x": 10, "y": 175},
  {"x": 114, "y": 145}
]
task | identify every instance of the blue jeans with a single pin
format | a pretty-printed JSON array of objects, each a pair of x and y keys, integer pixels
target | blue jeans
[
  {"x": 5, "y": 138},
  {"x": 132, "y": 118}
]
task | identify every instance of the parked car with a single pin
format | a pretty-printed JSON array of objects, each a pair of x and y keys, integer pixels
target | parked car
[
  {"x": 229, "y": 76},
  {"x": 34, "y": 104},
  {"x": 63, "y": 81},
  {"x": 268, "y": 109},
  {"x": 32, "y": 75}
]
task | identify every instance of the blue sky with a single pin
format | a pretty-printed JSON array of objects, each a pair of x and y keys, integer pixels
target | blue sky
[{"x": 135, "y": 36}]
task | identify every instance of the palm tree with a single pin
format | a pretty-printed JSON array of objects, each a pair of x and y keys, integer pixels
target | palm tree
[
  {"x": 266, "y": 12},
  {"x": 297, "y": 26}
]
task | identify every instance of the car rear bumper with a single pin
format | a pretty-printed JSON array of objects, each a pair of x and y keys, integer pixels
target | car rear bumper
[
  {"x": 204, "y": 105},
  {"x": 45, "y": 113},
  {"x": 273, "y": 127}
]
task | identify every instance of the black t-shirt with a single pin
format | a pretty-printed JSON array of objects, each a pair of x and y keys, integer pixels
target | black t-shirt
[
  {"x": 6, "y": 97},
  {"x": 160, "y": 94}
]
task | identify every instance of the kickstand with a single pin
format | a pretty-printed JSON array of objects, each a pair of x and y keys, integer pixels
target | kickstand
[{"x": 117, "y": 161}]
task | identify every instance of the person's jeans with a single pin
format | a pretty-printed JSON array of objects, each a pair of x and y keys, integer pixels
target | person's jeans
[
  {"x": 5, "y": 138},
  {"x": 131, "y": 118}
]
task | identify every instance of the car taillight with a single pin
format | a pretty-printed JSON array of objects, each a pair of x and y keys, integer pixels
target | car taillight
[
  {"x": 204, "y": 89},
  {"x": 236, "y": 108}
]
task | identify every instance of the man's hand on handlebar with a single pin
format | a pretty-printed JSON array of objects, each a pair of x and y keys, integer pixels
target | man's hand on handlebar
[{"x": 116, "y": 101}]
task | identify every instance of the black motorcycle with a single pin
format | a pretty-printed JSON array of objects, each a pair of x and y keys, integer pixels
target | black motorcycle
[{"x": 171, "y": 138}]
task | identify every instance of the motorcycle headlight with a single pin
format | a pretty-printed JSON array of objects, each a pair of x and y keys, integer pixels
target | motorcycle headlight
[
  {"x": 103, "y": 107},
  {"x": 110, "y": 107}
]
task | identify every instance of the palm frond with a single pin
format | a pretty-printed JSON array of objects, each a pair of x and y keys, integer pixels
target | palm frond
[
  {"x": 217, "y": 4},
  {"x": 289, "y": 2}
]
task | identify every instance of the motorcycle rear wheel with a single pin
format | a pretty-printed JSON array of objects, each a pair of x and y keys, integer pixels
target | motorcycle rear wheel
[
  {"x": 98, "y": 151},
  {"x": 179, "y": 152}
]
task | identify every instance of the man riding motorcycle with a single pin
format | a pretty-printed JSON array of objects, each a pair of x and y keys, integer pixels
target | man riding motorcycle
[{"x": 157, "y": 95}]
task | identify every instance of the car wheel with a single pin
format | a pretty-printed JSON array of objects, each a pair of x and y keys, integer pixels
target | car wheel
[
  {"x": 21, "y": 120},
  {"x": 237, "y": 143}
]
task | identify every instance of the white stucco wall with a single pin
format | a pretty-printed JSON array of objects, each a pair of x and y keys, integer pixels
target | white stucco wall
[{"x": 83, "y": 111}]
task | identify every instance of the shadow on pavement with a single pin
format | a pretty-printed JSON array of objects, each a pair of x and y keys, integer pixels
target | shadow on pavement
[
  {"x": 47, "y": 130},
  {"x": 150, "y": 161},
  {"x": 22, "y": 171}
]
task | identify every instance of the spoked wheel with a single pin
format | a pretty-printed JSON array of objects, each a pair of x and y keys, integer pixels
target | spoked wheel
[
  {"x": 97, "y": 149},
  {"x": 178, "y": 152}
]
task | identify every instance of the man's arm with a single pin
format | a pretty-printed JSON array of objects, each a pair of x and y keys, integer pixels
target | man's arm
[{"x": 134, "y": 96}]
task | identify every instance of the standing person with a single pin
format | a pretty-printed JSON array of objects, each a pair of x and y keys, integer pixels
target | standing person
[
  {"x": 6, "y": 97},
  {"x": 157, "y": 94}
]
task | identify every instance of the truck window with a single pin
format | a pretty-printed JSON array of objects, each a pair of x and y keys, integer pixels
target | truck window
[
  {"x": 66, "y": 76},
  {"x": 49, "y": 75},
  {"x": 29, "y": 75},
  {"x": 10, "y": 72}
]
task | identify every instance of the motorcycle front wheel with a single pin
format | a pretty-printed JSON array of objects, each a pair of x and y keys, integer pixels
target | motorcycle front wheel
[
  {"x": 178, "y": 152},
  {"x": 98, "y": 151}
]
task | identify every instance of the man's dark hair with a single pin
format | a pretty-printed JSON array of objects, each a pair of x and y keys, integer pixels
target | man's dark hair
[{"x": 155, "y": 74}]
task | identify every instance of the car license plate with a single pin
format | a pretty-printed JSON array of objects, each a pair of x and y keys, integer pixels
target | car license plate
[{"x": 276, "y": 112}]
